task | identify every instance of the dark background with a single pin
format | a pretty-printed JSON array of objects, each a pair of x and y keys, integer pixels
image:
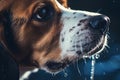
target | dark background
[{"x": 107, "y": 67}]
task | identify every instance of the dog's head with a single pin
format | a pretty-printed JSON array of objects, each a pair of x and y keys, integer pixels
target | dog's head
[{"x": 45, "y": 34}]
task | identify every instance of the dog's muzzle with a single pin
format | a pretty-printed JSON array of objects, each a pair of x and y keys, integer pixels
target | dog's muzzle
[{"x": 83, "y": 34}]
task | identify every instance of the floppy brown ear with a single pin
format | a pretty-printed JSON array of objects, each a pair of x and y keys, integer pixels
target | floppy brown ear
[
  {"x": 4, "y": 7},
  {"x": 1, "y": 30},
  {"x": 2, "y": 22},
  {"x": 64, "y": 3}
]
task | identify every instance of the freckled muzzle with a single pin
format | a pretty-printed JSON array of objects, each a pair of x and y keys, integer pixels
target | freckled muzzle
[
  {"x": 95, "y": 40},
  {"x": 101, "y": 24},
  {"x": 81, "y": 36}
]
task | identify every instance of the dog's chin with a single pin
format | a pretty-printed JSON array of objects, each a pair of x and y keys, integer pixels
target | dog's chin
[
  {"x": 98, "y": 48},
  {"x": 57, "y": 66}
]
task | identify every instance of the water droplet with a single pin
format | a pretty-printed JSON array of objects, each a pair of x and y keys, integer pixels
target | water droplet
[
  {"x": 92, "y": 68},
  {"x": 97, "y": 56},
  {"x": 65, "y": 73}
]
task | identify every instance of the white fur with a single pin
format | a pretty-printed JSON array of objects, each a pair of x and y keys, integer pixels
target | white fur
[
  {"x": 26, "y": 74},
  {"x": 69, "y": 19}
]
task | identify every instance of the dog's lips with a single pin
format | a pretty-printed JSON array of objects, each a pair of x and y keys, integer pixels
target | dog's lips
[
  {"x": 56, "y": 66},
  {"x": 97, "y": 49},
  {"x": 53, "y": 66}
]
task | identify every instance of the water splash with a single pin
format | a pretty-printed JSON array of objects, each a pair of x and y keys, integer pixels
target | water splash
[{"x": 92, "y": 67}]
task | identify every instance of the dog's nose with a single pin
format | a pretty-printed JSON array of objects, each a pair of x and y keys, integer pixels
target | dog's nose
[{"x": 100, "y": 22}]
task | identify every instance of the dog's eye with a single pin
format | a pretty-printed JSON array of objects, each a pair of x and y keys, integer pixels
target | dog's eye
[{"x": 43, "y": 14}]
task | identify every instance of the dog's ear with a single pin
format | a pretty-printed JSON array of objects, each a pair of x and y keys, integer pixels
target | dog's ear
[
  {"x": 63, "y": 2},
  {"x": 4, "y": 9}
]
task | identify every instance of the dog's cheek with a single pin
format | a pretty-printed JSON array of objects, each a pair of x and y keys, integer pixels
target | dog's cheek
[{"x": 42, "y": 58}]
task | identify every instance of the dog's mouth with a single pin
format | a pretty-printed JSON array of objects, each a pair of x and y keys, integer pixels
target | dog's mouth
[
  {"x": 97, "y": 48},
  {"x": 53, "y": 66},
  {"x": 56, "y": 66}
]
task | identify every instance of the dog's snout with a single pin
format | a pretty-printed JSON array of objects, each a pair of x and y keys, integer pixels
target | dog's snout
[{"x": 100, "y": 22}]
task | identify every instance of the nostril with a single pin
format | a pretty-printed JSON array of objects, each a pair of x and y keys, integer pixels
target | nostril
[{"x": 99, "y": 22}]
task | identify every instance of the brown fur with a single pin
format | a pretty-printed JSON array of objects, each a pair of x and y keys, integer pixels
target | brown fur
[{"x": 32, "y": 41}]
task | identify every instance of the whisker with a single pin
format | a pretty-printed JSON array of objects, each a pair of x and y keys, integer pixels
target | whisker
[
  {"x": 78, "y": 69},
  {"x": 99, "y": 10}
]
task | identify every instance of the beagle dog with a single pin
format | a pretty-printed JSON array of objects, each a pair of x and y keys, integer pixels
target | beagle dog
[{"x": 48, "y": 35}]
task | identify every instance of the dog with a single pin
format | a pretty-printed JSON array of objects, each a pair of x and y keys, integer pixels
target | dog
[{"x": 47, "y": 34}]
